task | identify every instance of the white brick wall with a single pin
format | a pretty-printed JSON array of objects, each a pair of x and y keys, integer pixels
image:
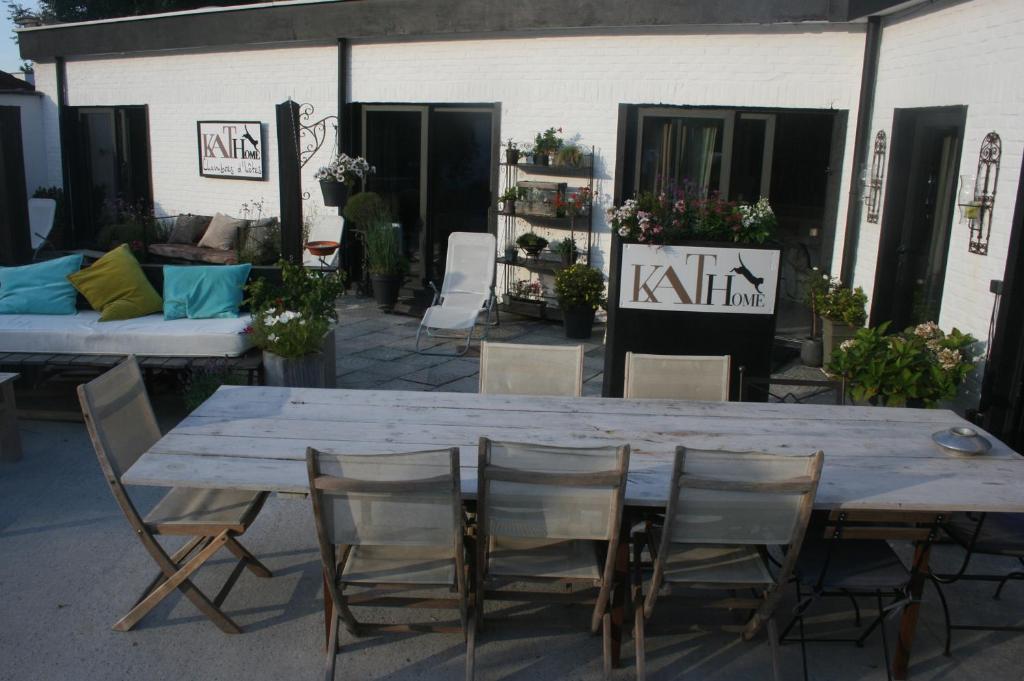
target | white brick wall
[
  {"x": 573, "y": 82},
  {"x": 959, "y": 54},
  {"x": 32, "y": 139},
  {"x": 186, "y": 87}
]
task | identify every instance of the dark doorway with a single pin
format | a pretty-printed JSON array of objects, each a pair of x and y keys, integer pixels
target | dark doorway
[
  {"x": 14, "y": 232},
  {"x": 918, "y": 215},
  {"x": 111, "y": 167},
  {"x": 436, "y": 170},
  {"x": 1002, "y": 389}
]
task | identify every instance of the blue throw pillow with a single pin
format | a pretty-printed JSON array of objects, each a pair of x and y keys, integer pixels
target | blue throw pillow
[
  {"x": 203, "y": 292},
  {"x": 42, "y": 288}
]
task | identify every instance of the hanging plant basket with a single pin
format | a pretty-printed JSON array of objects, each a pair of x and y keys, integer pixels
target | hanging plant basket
[{"x": 335, "y": 193}]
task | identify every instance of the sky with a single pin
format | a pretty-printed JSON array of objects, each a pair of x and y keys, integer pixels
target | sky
[{"x": 9, "y": 59}]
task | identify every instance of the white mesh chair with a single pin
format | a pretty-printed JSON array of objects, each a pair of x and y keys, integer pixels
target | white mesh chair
[
  {"x": 324, "y": 228},
  {"x": 41, "y": 213},
  {"x": 388, "y": 522},
  {"x": 725, "y": 511},
  {"x": 548, "y": 514},
  {"x": 467, "y": 290},
  {"x": 518, "y": 369},
  {"x": 122, "y": 426},
  {"x": 677, "y": 377}
]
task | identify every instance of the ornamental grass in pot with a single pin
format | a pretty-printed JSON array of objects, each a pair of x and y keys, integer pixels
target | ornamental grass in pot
[
  {"x": 580, "y": 292},
  {"x": 384, "y": 260},
  {"x": 293, "y": 324}
]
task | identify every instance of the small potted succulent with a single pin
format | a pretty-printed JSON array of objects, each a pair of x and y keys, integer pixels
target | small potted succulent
[
  {"x": 532, "y": 243},
  {"x": 508, "y": 200},
  {"x": 545, "y": 145},
  {"x": 842, "y": 310},
  {"x": 338, "y": 177},
  {"x": 580, "y": 292},
  {"x": 566, "y": 250}
]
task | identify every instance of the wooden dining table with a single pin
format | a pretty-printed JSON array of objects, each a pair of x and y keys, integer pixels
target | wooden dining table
[{"x": 255, "y": 438}]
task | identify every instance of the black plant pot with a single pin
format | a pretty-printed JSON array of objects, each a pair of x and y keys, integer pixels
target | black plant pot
[
  {"x": 385, "y": 289},
  {"x": 511, "y": 255},
  {"x": 511, "y": 156},
  {"x": 810, "y": 352},
  {"x": 533, "y": 250},
  {"x": 578, "y": 321},
  {"x": 569, "y": 259},
  {"x": 335, "y": 193},
  {"x": 541, "y": 159}
]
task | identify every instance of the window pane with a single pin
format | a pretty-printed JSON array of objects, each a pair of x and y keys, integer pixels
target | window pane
[{"x": 681, "y": 151}]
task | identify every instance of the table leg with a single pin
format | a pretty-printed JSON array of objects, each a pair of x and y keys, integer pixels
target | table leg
[
  {"x": 908, "y": 622},
  {"x": 328, "y": 612}
]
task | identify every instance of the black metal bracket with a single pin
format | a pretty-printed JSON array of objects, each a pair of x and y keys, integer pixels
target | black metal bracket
[
  {"x": 977, "y": 207},
  {"x": 873, "y": 196}
]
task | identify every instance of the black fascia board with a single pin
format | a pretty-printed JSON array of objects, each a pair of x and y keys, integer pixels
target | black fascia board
[{"x": 311, "y": 22}]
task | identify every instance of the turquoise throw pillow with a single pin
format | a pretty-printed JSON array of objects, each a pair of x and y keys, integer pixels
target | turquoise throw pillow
[
  {"x": 42, "y": 288},
  {"x": 203, "y": 292}
]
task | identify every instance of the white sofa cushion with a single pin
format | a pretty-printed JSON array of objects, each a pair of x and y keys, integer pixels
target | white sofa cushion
[{"x": 82, "y": 333}]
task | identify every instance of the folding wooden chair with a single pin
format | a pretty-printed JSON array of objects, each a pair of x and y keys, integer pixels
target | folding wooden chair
[
  {"x": 388, "y": 523},
  {"x": 725, "y": 511},
  {"x": 519, "y": 369},
  {"x": 122, "y": 426},
  {"x": 677, "y": 377},
  {"x": 549, "y": 514}
]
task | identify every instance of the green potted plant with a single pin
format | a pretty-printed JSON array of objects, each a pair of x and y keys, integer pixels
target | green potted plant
[
  {"x": 384, "y": 260},
  {"x": 566, "y": 250},
  {"x": 545, "y": 145},
  {"x": 526, "y": 297},
  {"x": 338, "y": 177},
  {"x": 292, "y": 323},
  {"x": 569, "y": 155},
  {"x": 580, "y": 292},
  {"x": 919, "y": 367},
  {"x": 364, "y": 208},
  {"x": 511, "y": 152},
  {"x": 842, "y": 310},
  {"x": 508, "y": 199},
  {"x": 532, "y": 243}
]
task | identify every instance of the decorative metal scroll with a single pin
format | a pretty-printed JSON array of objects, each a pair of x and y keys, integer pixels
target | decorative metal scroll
[
  {"x": 312, "y": 135},
  {"x": 985, "y": 192},
  {"x": 873, "y": 197}
]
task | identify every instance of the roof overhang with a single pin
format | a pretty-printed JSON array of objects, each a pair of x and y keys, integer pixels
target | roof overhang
[{"x": 328, "y": 20}]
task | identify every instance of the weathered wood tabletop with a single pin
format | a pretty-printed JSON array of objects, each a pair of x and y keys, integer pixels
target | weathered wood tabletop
[{"x": 256, "y": 437}]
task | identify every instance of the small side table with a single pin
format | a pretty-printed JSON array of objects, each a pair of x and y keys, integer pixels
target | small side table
[{"x": 10, "y": 441}]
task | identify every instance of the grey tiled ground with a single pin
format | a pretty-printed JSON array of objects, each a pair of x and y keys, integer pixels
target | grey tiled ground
[{"x": 377, "y": 350}]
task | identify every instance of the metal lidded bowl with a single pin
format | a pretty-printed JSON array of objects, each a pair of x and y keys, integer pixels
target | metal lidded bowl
[{"x": 962, "y": 440}]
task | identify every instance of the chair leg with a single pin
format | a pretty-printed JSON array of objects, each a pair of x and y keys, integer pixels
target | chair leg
[
  {"x": 772, "y": 629},
  {"x": 945, "y": 616},
  {"x": 606, "y": 644},
  {"x": 178, "y": 556},
  {"x": 242, "y": 553},
  {"x": 332, "y": 651},
  {"x": 471, "y": 645},
  {"x": 885, "y": 639},
  {"x": 180, "y": 581},
  {"x": 999, "y": 589},
  {"x": 640, "y": 643}
]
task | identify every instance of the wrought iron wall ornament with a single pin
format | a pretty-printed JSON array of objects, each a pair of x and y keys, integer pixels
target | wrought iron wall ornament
[
  {"x": 978, "y": 194},
  {"x": 312, "y": 136},
  {"x": 873, "y": 196}
]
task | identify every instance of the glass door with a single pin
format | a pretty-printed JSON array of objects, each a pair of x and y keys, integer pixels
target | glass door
[{"x": 680, "y": 149}]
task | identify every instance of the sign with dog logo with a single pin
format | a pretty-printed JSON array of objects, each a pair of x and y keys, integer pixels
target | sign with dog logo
[
  {"x": 232, "y": 150},
  {"x": 699, "y": 279}
]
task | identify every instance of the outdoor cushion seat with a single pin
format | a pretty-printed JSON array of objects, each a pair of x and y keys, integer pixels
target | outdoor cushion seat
[
  {"x": 742, "y": 564},
  {"x": 860, "y": 565},
  {"x": 189, "y": 511},
  {"x": 151, "y": 335},
  {"x": 214, "y": 256},
  {"x": 1002, "y": 534},
  {"x": 546, "y": 558},
  {"x": 427, "y": 565}
]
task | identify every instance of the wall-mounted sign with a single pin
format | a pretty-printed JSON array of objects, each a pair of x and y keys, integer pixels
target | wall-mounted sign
[
  {"x": 231, "y": 149},
  {"x": 699, "y": 279}
]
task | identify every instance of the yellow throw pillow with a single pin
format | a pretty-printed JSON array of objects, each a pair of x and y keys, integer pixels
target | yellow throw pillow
[{"x": 116, "y": 287}]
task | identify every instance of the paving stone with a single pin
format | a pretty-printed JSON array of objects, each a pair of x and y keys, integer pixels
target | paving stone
[
  {"x": 445, "y": 373},
  {"x": 345, "y": 364},
  {"x": 466, "y": 384},
  {"x": 386, "y": 353}
]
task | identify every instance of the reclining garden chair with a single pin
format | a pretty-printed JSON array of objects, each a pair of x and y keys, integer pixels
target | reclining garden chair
[
  {"x": 41, "y": 213},
  {"x": 467, "y": 290},
  {"x": 122, "y": 426}
]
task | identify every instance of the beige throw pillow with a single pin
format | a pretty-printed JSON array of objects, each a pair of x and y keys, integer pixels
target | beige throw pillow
[{"x": 222, "y": 233}]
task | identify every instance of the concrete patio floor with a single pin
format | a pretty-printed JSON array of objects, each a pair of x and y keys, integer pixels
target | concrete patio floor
[{"x": 70, "y": 567}]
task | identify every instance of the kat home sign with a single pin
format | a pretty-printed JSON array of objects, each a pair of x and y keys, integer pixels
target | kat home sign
[{"x": 231, "y": 149}]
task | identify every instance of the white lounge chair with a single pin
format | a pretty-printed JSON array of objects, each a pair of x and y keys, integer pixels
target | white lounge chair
[
  {"x": 324, "y": 228},
  {"x": 40, "y": 221},
  {"x": 467, "y": 290}
]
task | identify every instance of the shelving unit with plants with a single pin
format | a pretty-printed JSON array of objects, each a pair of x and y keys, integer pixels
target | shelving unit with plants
[{"x": 546, "y": 224}]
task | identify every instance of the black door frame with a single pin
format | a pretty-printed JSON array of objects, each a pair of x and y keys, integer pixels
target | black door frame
[
  {"x": 15, "y": 244},
  {"x": 894, "y": 208},
  {"x": 355, "y": 114},
  {"x": 1002, "y": 387}
]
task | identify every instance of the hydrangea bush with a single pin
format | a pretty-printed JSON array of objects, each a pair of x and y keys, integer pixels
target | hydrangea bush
[
  {"x": 672, "y": 217},
  {"x": 922, "y": 364},
  {"x": 346, "y": 169}
]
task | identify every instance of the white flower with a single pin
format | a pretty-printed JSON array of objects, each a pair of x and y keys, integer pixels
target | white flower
[
  {"x": 847, "y": 344},
  {"x": 623, "y": 231},
  {"x": 272, "y": 338},
  {"x": 949, "y": 358},
  {"x": 270, "y": 320},
  {"x": 928, "y": 330}
]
